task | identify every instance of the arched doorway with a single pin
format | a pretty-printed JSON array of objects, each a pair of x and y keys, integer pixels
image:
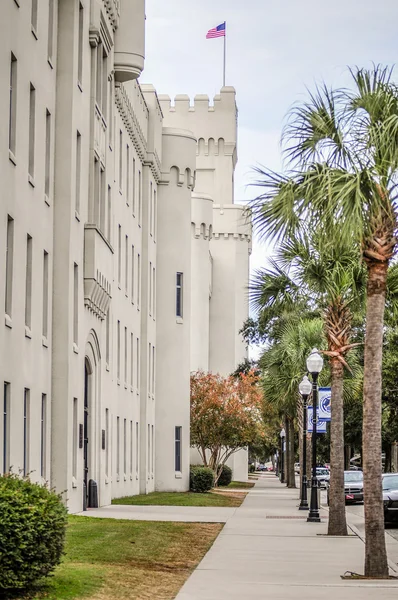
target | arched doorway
[{"x": 86, "y": 431}]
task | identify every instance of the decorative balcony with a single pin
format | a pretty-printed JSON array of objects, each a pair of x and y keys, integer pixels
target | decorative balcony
[{"x": 98, "y": 254}]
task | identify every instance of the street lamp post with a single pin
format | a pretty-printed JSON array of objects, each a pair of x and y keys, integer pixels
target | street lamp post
[
  {"x": 305, "y": 390},
  {"x": 314, "y": 366},
  {"x": 282, "y": 436}
]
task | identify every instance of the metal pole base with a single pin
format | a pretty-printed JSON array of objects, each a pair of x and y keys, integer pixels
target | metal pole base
[
  {"x": 303, "y": 501},
  {"x": 313, "y": 516}
]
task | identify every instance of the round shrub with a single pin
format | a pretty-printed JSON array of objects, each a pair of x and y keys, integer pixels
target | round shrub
[
  {"x": 201, "y": 479},
  {"x": 32, "y": 531},
  {"x": 226, "y": 476},
  {"x": 252, "y": 468}
]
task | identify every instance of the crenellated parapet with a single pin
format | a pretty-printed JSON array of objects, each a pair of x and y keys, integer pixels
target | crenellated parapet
[
  {"x": 178, "y": 158},
  {"x": 202, "y": 216},
  {"x": 232, "y": 222},
  {"x": 214, "y": 125}
]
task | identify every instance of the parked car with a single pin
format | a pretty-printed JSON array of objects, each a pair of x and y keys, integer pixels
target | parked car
[
  {"x": 323, "y": 476},
  {"x": 390, "y": 497},
  {"x": 262, "y": 468},
  {"x": 353, "y": 487},
  {"x": 297, "y": 468}
]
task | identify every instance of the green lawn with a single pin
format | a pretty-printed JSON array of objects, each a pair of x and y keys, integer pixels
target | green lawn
[
  {"x": 109, "y": 559},
  {"x": 242, "y": 485},
  {"x": 182, "y": 499}
]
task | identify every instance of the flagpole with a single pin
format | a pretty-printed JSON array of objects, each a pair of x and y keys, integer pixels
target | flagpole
[{"x": 225, "y": 52}]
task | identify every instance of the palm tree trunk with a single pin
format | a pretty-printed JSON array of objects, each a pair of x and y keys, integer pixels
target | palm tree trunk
[
  {"x": 291, "y": 478},
  {"x": 375, "y": 544},
  {"x": 337, "y": 519}
]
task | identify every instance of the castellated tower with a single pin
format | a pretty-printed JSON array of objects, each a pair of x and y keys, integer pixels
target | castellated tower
[
  {"x": 173, "y": 291},
  {"x": 221, "y": 236}
]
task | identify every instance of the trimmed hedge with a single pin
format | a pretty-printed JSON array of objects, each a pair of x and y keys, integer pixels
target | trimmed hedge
[
  {"x": 226, "y": 476},
  {"x": 32, "y": 532},
  {"x": 201, "y": 479}
]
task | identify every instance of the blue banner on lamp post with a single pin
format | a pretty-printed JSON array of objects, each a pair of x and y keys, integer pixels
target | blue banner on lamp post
[
  {"x": 320, "y": 425},
  {"x": 324, "y": 408}
]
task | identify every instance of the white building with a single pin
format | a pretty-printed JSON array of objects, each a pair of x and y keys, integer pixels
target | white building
[{"x": 117, "y": 278}]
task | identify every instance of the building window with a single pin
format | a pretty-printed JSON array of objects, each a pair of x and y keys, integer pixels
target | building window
[
  {"x": 109, "y": 224},
  {"x": 125, "y": 355},
  {"x": 117, "y": 446},
  {"x": 107, "y": 333},
  {"x": 148, "y": 469},
  {"x": 45, "y": 295},
  {"x": 154, "y": 293},
  {"x": 137, "y": 354},
  {"x": 132, "y": 274},
  {"x": 177, "y": 467},
  {"x": 125, "y": 446},
  {"x": 50, "y": 41},
  {"x": 26, "y": 427},
  {"x": 150, "y": 289},
  {"x": 119, "y": 257},
  {"x": 131, "y": 448},
  {"x": 154, "y": 214},
  {"x": 149, "y": 367},
  {"x": 118, "y": 351},
  {"x": 150, "y": 209},
  {"x": 75, "y": 304},
  {"x": 13, "y": 105},
  {"x": 6, "y": 427},
  {"x": 139, "y": 198},
  {"x": 75, "y": 440},
  {"x": 153, "y": 369},
  {"x": 106, "y": 442},
  {"x": 80, "y": 47},
  {"x": 179, "y": 295},
  {"x": 32, "y": 130},
  {"x": 97, "y": 192},
  {"x": 138, "y": 281},
  {"x": 120, "y": 160},
  {"x": 28, "y": 282},
  {"x": 153, "y": 452},
  {"x": 9, "y": 265},
  {"x": 102, "y": 215},
  {"x": 126, "y": 265},
  {"x": 43, "y": 435},
  {"x": 47, "y": 173},
  {"x": 133, "y": 187},
  {"x": 127, "y": 174},
  {"x": 132, "y": 360},
  {"x": 33, "y": 17},
  {"x": 136, "y": 447},
  {"x": 78, "y": 170}
]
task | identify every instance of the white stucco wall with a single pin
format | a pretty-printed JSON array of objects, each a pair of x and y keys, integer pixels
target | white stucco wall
[{"x": 173, "y": 331}]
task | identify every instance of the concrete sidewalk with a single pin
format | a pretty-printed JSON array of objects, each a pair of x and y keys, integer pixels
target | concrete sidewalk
[
  {"x": 268, "y": 550},
  {"x": 185, "y": 514}
]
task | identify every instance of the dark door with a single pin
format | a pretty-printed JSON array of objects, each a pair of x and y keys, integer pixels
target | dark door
[{"x": 85, "y": 438}]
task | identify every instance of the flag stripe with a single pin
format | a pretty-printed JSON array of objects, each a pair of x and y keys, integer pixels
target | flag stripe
[{"x": 218, "y": 31}]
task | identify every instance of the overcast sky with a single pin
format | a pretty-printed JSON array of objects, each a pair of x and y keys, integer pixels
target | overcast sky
[{"x": 274, "y": 50}]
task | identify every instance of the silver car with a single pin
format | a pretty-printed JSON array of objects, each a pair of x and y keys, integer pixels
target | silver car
[
  {"x": 353, "y": 487},
  {"x": 390, "y": 497}
]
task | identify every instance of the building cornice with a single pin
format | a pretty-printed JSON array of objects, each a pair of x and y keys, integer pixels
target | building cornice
[{"x": 130, "y": 120}]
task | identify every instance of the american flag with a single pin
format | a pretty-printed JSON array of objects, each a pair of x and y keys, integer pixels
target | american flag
[{"x": 218, "y": 31}]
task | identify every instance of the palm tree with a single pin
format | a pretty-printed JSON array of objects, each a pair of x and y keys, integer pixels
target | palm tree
[
  {"x": 342, "y": 147},
  {"x": 328, "y": 277},
  {"x": 282, "y": 372}
]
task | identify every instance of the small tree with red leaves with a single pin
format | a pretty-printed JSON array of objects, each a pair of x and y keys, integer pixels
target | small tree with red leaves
[{"x": 225, "y": 415}]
